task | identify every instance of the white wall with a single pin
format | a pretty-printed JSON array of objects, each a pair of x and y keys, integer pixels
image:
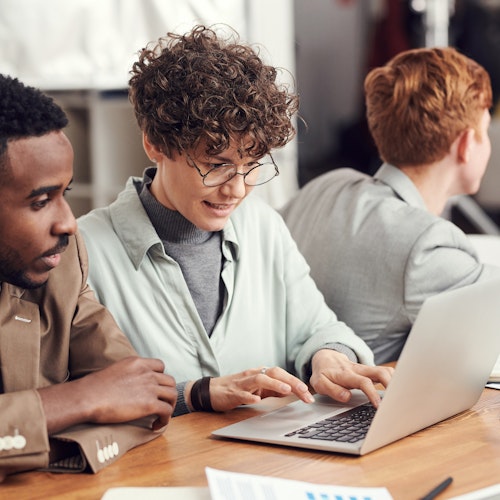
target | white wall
[{"x": 90, "y": 45}]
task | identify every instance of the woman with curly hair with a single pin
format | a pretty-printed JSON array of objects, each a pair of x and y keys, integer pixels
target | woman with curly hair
[{"x": 194, "y": 269}]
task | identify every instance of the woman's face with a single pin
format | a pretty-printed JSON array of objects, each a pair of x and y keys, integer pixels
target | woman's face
[{"x": 178, "y": 186}]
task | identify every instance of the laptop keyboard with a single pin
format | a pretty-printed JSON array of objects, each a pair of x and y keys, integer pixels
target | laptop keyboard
[{"x": 347, "y": 427}]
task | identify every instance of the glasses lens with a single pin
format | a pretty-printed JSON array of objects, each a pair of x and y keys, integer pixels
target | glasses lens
[
  {"x": 219, "y": 175},
  {"x": 261, "y": 174},
  {"x": 254, "y": 177}
]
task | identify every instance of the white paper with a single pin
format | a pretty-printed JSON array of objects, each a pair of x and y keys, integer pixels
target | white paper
[
  {"x": 493, "y": 385},
  {"x": 495, "y": 372},
  {"x": 488, "y": 250},
  {"x": 489, "y": 493},
  {"x": 234, "y": 486},
  {"x": 157, "y": 493},
  {"x": 225, "y": 485},
  {"x": 487, "y": 247}
]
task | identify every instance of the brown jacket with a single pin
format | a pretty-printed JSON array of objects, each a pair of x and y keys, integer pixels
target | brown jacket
[{"x": 49, "y": 335}]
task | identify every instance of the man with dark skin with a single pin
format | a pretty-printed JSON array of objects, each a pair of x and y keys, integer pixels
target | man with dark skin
[{"x": 64, "y": 362}]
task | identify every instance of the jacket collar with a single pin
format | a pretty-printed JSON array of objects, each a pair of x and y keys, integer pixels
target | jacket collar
[
  {"x": 127, "y": 215},
  {"x": 401, "y": 184}
]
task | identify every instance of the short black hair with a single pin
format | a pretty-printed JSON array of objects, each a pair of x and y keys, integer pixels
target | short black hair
[{"x": 26, "y": 112}]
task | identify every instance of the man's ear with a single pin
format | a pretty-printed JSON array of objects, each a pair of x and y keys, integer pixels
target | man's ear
[
  {"x": 153, "y": 153},
  {"x": 464, "y": 146}
]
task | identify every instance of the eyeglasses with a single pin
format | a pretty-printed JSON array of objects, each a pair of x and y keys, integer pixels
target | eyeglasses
[{"x": 254, "y": 174}]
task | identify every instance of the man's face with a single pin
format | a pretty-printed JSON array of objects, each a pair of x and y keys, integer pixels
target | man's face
[{"x": 35, "y": 219}]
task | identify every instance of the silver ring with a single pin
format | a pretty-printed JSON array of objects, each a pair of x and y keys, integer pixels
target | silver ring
[{"x": 263, "y": 370}]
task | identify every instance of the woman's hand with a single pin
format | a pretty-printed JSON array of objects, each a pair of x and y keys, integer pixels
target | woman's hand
[
  {"x": 333, "y": 374},
  {"x": 251, "y": 386}
]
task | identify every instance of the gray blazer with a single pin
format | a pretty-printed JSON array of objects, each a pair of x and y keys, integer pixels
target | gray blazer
[{"x": 376, "y": 253}]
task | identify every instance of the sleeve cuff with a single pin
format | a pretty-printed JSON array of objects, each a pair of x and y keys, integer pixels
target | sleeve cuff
[{"x": 336, "y": 346}]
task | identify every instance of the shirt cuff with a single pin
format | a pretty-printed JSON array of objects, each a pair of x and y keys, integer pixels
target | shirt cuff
[{"x": 336, "y": 346}]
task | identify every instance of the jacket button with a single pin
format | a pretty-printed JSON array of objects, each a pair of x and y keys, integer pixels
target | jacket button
[
  {"x": 8, "y": 443},
  {"x": 19, "y": 442}
]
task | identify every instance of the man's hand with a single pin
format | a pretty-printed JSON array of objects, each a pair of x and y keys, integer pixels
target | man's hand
[
  {"x": 333, "y": 375},
  {"x": 126, "y": 390},
  {"x": 251, "y": 386}
]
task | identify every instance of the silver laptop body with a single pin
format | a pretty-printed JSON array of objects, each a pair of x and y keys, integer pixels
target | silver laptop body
[{"x": 442, "y": 370}]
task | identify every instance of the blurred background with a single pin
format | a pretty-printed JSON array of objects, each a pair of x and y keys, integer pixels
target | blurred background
[{"x": 80, "y": 51}]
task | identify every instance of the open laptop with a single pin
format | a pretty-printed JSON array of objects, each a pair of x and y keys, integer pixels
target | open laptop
[{"x": 442, "y": 370}]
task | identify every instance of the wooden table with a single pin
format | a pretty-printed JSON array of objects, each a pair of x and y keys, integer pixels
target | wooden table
[{"x": 466, "y": 447}]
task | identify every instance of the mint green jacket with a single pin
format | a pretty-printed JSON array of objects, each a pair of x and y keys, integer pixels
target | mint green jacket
[{"x": 273, "y": 313}]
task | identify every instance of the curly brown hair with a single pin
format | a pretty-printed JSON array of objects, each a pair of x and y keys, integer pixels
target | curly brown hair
[
  {"x": 199, "y": 87},
  {"x": 422, "y": 100}
]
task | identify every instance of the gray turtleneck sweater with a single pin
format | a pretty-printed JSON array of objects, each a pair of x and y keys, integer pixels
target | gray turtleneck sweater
[{"x": 197, "y": 252}]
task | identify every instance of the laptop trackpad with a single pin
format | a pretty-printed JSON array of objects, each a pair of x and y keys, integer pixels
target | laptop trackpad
[{"x": 298, "y": 412}]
